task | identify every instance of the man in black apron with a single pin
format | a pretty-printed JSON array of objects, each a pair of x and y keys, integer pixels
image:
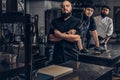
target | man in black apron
[{"x": 87, "y": 27}]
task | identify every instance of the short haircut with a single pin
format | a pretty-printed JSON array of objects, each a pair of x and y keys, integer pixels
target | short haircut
[
  {"x": 106, "y": 6},
  {"x": 89, "y": 6},
  {"x": 68, "y": 1}
]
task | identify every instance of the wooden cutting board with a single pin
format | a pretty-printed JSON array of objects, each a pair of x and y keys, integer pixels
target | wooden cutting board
[{"x": 56, "y": 71}]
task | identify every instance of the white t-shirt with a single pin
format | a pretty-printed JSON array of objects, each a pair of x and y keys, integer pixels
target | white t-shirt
[{"x": 104, "y": 26}]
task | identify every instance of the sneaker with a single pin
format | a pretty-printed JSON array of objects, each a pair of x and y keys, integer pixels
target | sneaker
[
  {"x": 84, "y": 50},
  {"x": 104, "y": 46},
  {"x": 98, "y": 49}
]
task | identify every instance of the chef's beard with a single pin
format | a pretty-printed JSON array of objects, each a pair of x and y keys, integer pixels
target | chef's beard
[
  {"x": 104, "y": 15},
  {"x": 65, "y": 15}
]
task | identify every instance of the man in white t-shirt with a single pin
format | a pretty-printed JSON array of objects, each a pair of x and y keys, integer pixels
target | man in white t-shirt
[{"x": 104, "y": 25}]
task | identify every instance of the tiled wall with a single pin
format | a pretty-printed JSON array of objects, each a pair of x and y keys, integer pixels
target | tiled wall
[{"x": 39, "y": 7}]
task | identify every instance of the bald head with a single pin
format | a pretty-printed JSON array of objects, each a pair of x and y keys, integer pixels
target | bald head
[{"x": 66, "y": 6}]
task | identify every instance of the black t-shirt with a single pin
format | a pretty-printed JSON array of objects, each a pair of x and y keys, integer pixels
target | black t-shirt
[
  {"x": 92, "y": 24},
  {"x": 64, "y": 50},
  {"x": 64, "y": 26}
]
